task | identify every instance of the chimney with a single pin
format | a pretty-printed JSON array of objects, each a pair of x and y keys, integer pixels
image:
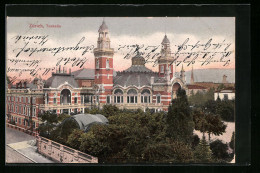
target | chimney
[
  {"x": 152, "y": 80},
  {"x": 192, "y": 77},
  {"x": 17, "y": 84},
  {"x": 70, "y": 70},
  {"x": 20, "y": 85},
  {"x": 24, "y": 85},
  {"x": 59, "y": 68},
  {"x": 224, "y": 80}
]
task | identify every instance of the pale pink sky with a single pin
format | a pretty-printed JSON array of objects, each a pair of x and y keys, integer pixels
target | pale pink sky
[{"x": 123, "y": 31}]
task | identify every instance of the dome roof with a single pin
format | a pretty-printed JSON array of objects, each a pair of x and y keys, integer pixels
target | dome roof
[
  {"x": 165, "y": 40},
  {"x": 85, "y": 121},
  {"x": 103, "y": 27},
  {"x": 138, "y": 59}
]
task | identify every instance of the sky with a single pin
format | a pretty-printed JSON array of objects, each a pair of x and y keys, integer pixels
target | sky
[{"x": 147, "y": 31}]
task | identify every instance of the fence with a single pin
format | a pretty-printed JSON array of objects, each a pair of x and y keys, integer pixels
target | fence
[{"x": 62, "y": 153}]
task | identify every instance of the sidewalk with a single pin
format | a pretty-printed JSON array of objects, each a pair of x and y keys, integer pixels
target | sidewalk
[{"x": 25, "y": 148}]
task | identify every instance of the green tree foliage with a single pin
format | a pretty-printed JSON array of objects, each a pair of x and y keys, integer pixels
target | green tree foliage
[
  {"x": 74, "y": 138},
  {"x": 109, "y": 110},
  {"x": 62, "y": 117},
  {"x": 124, "y": 138},
  {"x": 170, "y": 151},
  {"x": 202, "y": 153},
  {"x": 200, "y": 98},
  {"x": 209, "y": 123},
  {"x": 195, "y": 141},
  {"x": 49, "y": 121},
  {"x": 180, "y": 123},
  {"x": 220, "y": 151},
  {"x": 226, "y": 109},
  {"x": 232, "y": 141},
  {"x": 67, "y": 127}
]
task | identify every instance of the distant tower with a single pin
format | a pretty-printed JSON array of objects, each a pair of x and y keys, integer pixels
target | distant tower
[
  {"x": 192, "y": 77},
  {"x": 165, "y": 59},
  {"x": 103, "y": 64},
  {"x": 182, "y": 75},
  {"x": 224, "y": 80}
]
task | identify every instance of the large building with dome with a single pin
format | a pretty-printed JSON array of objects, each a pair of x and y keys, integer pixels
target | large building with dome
[{"x": 71, "y": 92}]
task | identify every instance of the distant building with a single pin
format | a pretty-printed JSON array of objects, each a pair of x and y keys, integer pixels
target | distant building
[{"x": 225, "y": 94}]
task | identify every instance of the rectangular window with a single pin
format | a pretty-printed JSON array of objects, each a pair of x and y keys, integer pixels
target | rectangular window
[
  {"x": 81, "y": 99},
  {"x": 158, "y": 99},
  {"x": 33, "y": 100},
  {"x": 122, "y": 100},
  {"x": 29, "y": 99},
  {"x": 225, "y": 96},
  {"x": 33, "y": 124},
  {"x": 145, "y": 99},
  {"x": 108, "y": 99},
  {"x": 118, "y": 99},
  {"x": 127, "y": 99},
  {"x": 76, "y": 100},
  {"x": 19, "y": 120},
  {"x": 24, "y": 122},
  {"x": 16, "y": 119},
  {"x": 132, "y": 99},
  {"x": 34, "y": 112},
  {"x": 54, "y": 100},
  {"x": 97, "y": 99}
]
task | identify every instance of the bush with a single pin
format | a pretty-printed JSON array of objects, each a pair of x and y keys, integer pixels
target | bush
[{"x": 220, "y": 151}]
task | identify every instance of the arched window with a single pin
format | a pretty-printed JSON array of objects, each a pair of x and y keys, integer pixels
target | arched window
[
  {"x": 132, "y": 96},
  {"x": 162, "y": 69},
  {"x": 118, "y": 96},
  {"x": 65, "y": 96},
  {"x": 146, "y": 96}
]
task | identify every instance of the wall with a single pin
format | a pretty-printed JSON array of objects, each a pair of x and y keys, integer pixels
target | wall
[
  {"x": 61, "y": 153},
  {"x": 221, "y": 96}
]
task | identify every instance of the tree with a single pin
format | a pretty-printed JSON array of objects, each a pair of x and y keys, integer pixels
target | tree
[
  {"x": 179, "y": 119},
  {"x": 195, "y": 141},
  {"x": 202, "y": 153},
  {"x": 109, "y": 110},
  {"x": 220, "y": 151},
  {"x": 137, "y": 137},
  {"x": 226, "y": 109},
  {"x": 62, "y": 117},
  {"x": 232, "y": 141},
  {"x": 74, "y": 138},
  {"x": 209, "y": 123},
  {"x": 49, "y": 121}
]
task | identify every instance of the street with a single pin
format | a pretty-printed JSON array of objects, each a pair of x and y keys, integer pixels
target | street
[{"x": 20, "y": 148}]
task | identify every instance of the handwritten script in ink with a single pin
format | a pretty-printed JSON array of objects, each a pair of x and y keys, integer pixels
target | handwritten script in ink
[
  {"x": 30, "y": 46},
  {"x": 203, "y": 53}
]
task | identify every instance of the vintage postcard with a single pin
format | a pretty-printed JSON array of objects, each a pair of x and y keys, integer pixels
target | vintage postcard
[{"x": 119, "y": 90}]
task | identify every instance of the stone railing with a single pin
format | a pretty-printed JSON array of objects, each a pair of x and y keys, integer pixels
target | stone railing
[{"x": 61, "y": 153}]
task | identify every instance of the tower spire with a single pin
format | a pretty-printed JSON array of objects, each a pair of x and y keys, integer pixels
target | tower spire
[
  {"x": 192, "y": 76},
  {"x": 182, "y": 75}
]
